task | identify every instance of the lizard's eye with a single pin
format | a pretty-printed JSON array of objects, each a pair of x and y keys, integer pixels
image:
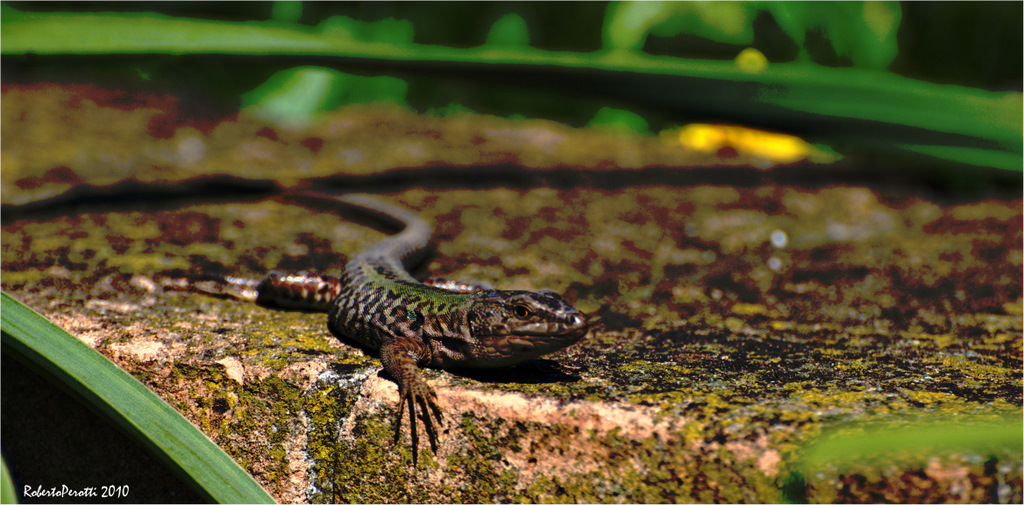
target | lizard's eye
[{"x": 521, "y": 311}]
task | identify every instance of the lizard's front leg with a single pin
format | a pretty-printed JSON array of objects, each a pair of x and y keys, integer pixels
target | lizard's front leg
[{"x": 401, "y": 358}]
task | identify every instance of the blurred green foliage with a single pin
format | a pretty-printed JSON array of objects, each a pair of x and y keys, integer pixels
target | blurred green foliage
[
  {"x": 296, "y": 97},
  {"x": 969, "y": 43},
  {"x": 860, "y": 33},
  {"x": 847, "y": 446},
  {"x": 7, "y": 493},
  {"x": 509, "y": 30},
  {"x": 286, "y": 12},
  {"x": 619, "y": 120},
  {"x": 665, "y": 63}
]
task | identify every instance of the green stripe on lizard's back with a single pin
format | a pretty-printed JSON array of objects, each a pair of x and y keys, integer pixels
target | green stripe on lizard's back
[{"x": 376, "y": 304}]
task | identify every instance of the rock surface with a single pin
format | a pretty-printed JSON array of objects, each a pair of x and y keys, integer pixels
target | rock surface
[{"x": 747, "y": 314}]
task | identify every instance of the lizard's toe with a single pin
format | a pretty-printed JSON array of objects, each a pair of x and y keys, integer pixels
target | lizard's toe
[{"x": 422, "y": 404}]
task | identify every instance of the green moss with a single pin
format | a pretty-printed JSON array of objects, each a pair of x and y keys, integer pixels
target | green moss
[
  {"x": 15, "y": 278},
  {"x": 366, "y": 466},
  {"x": 540, "y": 490},
  {"x": 479, "y": 460},
  {"x": 651, "y": 471},
  {"x": 147, "y": 263},
  {"x": 325, "y": 408}
]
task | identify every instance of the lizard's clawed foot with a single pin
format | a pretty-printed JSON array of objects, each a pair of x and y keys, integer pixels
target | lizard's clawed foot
[{"x": 419, "y": 397}]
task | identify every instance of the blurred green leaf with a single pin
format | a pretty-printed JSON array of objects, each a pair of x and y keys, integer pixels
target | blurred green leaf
[
  {"x": 509, "y": 31},
  {"x": 724, "y": 22},
  {"x": 7, "y": 492},
  {"x": 297, "y": 96},
  {"x": 45, "y": 33},
  {"x": 854, "y": 443},
  {"x": 876, "y": 47},
  {"x": 340, "y": 27},
  {"x": 878, "y": 444},
  {"x": 862, "y": 32},
  {"x": 452, "y": 109},
  {"x": 377, "y": 89},
  {"x": 628, "y": 23},
  {"x": 619, "y": 120},
  {"x": 287, "y": 11},
  {"x": 389, "y": 31},
  {"x": 132, "y": 407}
]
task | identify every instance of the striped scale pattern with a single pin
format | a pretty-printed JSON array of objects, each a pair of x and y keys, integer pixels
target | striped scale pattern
[{"x": 379, "y": 305}]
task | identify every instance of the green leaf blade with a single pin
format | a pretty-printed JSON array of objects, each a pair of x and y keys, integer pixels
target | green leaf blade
[{"x": 132, "y": 407}]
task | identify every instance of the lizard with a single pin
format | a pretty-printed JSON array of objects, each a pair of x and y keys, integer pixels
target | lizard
[{"x": 379, "y": 306}]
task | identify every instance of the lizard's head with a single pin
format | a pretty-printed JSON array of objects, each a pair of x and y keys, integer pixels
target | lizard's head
[{"x": 509, "y": 327}]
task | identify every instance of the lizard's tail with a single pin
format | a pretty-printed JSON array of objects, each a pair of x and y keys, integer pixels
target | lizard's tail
[
  {"x": 237, "y": 288},
  {"x": 400, "y": 251},
  {"x": 302, "y": 291}
]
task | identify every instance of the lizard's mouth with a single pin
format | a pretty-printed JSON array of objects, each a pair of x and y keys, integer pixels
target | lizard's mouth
[
  {"x": 515, "y": 343},
  {"x": 571, "y": 325}
]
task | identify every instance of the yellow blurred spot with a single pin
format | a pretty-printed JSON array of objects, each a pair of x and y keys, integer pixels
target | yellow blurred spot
[
  {"x": 1013, "y": 308},
  {"x": 751, "y": 61},
  {"x": 749, "y": 309},
  {"x": 702, "y": 137},
  {"x": 774, "y": 147}
]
